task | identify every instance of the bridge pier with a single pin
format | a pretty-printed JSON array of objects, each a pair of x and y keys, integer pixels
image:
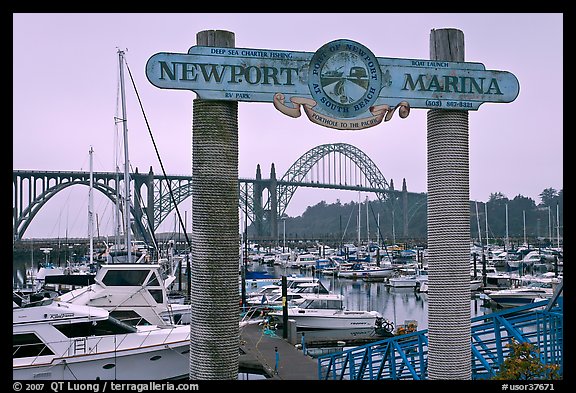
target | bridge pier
[
  {"x": 257, "y": 201},
  {"x": 272, "y": 189}
]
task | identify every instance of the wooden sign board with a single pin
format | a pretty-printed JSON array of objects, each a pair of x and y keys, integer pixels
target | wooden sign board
[{"x": 342, "y": 85}]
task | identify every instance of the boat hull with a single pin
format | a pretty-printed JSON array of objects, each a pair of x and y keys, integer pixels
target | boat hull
[
  {"x": 511, "y": 298},
  {"x": 343, "y": 320},
  {"x": 350, "y": 274},
  {"x": 378, "y": 273},
  {"x": 160, "y": 362},
  {"x": 402, "y": 283}
]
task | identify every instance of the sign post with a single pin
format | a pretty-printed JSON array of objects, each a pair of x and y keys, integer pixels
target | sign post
[
  {"x": 214, "y": 329},
  {"x": 343, "y": 86},
  {"x": 449, "y": 331}
]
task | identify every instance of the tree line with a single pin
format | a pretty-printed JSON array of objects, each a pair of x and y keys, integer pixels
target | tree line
[{"x": 399, "y": 221}]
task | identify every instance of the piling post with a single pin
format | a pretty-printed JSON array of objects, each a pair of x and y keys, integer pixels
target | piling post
[
  {"x": 449, "y": 355},
  {"x": 277, "y": 360},
  {"x": 284, "y": 307},
  {"x": 214, "y": 328}
]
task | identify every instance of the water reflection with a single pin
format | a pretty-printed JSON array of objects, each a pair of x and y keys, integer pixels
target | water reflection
[{"x": 395, "y": 304}]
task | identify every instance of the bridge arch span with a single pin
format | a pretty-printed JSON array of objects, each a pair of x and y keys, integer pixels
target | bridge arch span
[
  {"x": 23, "y": 221},
  {"x": 301, "y": 167}
]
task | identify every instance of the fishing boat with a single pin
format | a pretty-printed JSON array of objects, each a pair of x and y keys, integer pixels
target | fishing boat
[
  {"x": 54, "y": 340},
  {"x": 327, "y": 311}
]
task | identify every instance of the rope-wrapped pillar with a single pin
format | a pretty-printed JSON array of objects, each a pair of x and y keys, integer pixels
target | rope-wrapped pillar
[
  {"x": 214, "y": 327},
  {"x": 449, "y": 337}
]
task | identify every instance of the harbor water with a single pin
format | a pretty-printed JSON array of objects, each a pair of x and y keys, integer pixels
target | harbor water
[{"x": 397, "y": 305}]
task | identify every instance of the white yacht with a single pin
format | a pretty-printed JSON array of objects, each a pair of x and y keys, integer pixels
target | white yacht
[
  {"x": 374, "y": 272},
  {"x": 327, "y": 311},
  {"x": 410, "y": 281},
  {"x": 532, "y": 290},
  {"x": 271, "y": 295},
  {"x": 54, "y": 340},
  {"x": 304, "y": 261},
  {"x": 519, "y": 296},
  {"x": 135, "y": 293}
]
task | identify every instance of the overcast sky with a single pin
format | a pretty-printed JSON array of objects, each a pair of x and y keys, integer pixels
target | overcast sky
[{"x": 65, "y": 90}]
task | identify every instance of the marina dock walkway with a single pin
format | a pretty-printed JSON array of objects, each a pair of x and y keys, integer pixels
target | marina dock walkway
[{"x": 258, "y": 352}]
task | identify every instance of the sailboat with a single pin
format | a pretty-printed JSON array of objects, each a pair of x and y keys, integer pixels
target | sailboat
[
  {"x": 51, "y": 280},
  {"x": 128, "y": 252}
]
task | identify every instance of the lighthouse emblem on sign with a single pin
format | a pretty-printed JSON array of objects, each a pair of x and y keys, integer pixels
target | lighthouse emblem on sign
[{"x": 344, "y": 78}]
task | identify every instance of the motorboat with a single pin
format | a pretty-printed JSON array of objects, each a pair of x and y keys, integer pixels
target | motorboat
[
  {"x": 327, "y": 311},
  {"x": 135, "y": 293},
  {"x": 38, "y": 278},
  {"x": 272, "y": 294},
  {"x": 352, "y": 271},
  {"x": 304, "y": 261},
  {"x": 409, "y": 281},
  {"x": 55, "y": 340},
  {"x": 513, "y": 297},
  {"x": 474, "y": 285},
  {"x": 374, "y": 272},
  {"x": 262, "y": 295}
]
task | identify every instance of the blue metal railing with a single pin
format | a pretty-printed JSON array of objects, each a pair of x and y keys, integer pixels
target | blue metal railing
[{"x": 406, "y": 356}]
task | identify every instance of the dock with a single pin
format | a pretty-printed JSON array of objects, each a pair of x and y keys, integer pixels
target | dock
[{"x": 265, "y": 351}]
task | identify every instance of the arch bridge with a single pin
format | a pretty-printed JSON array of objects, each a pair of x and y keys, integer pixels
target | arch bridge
[{"x": 330, "y": 166}]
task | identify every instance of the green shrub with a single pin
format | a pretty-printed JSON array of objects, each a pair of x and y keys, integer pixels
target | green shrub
[{"x": 523, "y": 363}]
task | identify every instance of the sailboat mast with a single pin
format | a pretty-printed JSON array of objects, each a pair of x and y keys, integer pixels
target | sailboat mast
[
  {"x": 549, "y": 224},
  {"x": 507, "y": 238},
  {"x": 524, "y": 224},
  {"x": 359, "y": 205},
  {"x": 126, "y": 162},
  {"x": 478, "y": 223},
  {"x": 367, "y": 223},
  {"x": 378, "y": 231},
  {"x": 558, "y": 226},
  {"x": 393, "y": 228},
  {"x": 486, "y": 219},
  {"x": 90, "y": 209}
]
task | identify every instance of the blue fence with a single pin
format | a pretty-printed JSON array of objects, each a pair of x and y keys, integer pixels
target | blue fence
[{"x": 406, "y": 356}]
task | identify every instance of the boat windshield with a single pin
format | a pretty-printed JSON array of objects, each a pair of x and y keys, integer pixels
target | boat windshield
[
  {"x": 329, "y": 304},
  {"x": 539, "y": 284},
  {"x": 110, "y": 326},
  {"x": 125, "y": 277}
]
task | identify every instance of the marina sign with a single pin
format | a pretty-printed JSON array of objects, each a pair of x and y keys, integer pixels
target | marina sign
[{"x": 342, "y": 85}]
